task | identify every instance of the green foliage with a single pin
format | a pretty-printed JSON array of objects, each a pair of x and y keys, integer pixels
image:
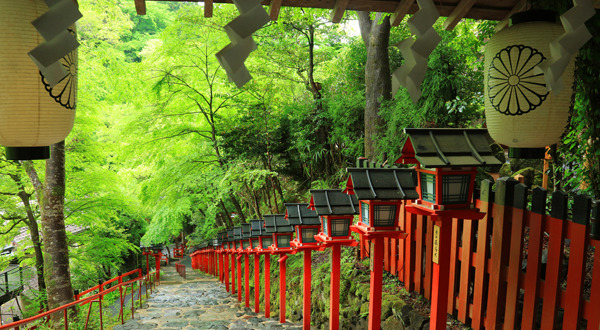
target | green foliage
[{"x": 579, "y": 154}]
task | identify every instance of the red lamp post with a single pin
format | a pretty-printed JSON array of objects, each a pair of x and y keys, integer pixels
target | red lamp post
[
  {"x": 380, "y": 192},
  {"x": 446, "y": 161},
  {"x": 307, "y": 225},
  {"x": 337, "y": 211},
  {"x": 157, "y": 253},
  {"x": 283, "y": 233},
  {"x": 237, "y": 233},
  {"x": 231, "y": 249},
  {"x": 255, "y": 233},
  {"x": 224, "y": 269},
  {"x": 246, "y": 250},
  {"x": 265, "y": 242},
  {"x": 213, "y": 261},
  {"x": 146, "y": 252}
]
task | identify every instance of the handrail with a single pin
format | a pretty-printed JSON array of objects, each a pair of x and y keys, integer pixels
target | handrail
[
  {"x": 82, "y": 301},
  {"x": 103, "y": 284}
]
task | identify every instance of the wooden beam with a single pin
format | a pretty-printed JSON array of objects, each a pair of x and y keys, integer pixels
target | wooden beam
[
  {"x": 338, "y": 10},
  {"x": 208, "y": 8},
  {"x": 274, "y": 8},
  {"x": 458, "y": 13},
  {"x": 517, "y": 8},
  {"x": 140, "y": 7},
  {"x": 401, "y": 11}
]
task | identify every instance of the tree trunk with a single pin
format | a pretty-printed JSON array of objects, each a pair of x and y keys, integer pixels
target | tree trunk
[
  {"x": 238, "y": 207},
  {"x": 229, "y": 224},
  {"x": 56, "y": 251},
  {"x": 378, "y": 83},
  {"x": 33, "y": 232}
]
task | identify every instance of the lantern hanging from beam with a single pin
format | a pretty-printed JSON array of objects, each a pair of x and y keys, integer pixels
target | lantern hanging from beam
[
  {"x": 520, "y": 111},
  {"x": 38, "y": 107}
]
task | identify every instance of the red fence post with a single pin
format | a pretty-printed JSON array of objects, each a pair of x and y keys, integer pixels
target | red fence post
[
  {"x": 485, "y": 204},
  {"x": 556, "y": 241},
  {"x": 577, "y": 255},
  {"x": 516, "y": 252},
  {"x": 500, "y": 251}
]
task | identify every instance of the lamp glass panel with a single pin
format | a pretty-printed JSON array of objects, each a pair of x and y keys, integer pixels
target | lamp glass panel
[
  {"x": 283, "y": 241},
  {"x": 266, "y": 242},
  {"x": 325, "y": 226},
  {"x": 245, "y": 244},
  {"x": 340, "y": 227},
  {"x": 308, "y": 235},
  {"x": 384, "y": 215},
  {"x": 364, "y": 210},
  {"x": 428, "y": 187},
  {"x": 254, "y": 242},
  {"x": 455, "y": 189}
]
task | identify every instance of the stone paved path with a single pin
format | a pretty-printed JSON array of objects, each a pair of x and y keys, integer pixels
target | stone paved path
[{"x": 200, "y": 302}]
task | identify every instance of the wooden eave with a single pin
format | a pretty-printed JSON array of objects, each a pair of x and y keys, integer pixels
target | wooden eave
[{"x": 455, "y": 10}]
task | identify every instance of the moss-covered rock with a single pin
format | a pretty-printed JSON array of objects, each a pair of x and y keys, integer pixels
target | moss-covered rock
[
  {"x": 390, "y": 305},
  {"x": 392, "y": 323}
]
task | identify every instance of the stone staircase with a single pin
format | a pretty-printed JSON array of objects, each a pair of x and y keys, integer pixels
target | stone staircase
[{"x": 198, "y": 302}]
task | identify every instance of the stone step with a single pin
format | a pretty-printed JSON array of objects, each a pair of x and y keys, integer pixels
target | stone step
[{"x": 198, "y": 302}]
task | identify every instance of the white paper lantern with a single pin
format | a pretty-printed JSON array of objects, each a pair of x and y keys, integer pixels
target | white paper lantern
[
  {"x": 32, "y": 114},
  {"x": 520, "y": 112}
]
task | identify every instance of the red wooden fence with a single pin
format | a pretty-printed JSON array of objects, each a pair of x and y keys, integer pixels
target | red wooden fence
[{"x": 518, "y": 267}]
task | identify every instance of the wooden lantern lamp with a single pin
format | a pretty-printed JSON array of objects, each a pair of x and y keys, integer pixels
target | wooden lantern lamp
[
  {"x": 283, "y": 233},
  {"x": 337, "y": 211},
  {"x": 380, "y": 192},
  {"x": 307, "y": 225},
  {"x": 446, "y": 162}
]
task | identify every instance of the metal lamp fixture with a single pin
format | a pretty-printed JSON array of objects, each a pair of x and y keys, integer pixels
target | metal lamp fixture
[
  {"x": 447, "y": 161},
  {"x": 336, "y": 210},
  {"x": 305, "y": 221},
  {"x": 281, "y": 230}
]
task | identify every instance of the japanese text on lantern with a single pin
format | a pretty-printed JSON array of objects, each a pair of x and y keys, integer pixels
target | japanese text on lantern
[{"x": 436, "y": 244}]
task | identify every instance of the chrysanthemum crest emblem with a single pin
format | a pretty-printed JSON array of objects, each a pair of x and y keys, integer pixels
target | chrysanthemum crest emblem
[{"x": 514, "y": 87}]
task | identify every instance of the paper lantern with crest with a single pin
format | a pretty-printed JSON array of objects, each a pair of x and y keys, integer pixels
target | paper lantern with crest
[
  {"x": 38, "y": 75},
  {"x": 520, "y": 111}
]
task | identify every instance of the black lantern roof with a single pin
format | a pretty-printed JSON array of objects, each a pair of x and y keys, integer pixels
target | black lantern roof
[
  {"x": 447, "y": 147},
  {"x": 245, "y": 230},
  {"x": 382, "y": 183},
  {"x": 237, "y": 233},
  {"x": 276, "y": 223},
  {"x": 230, "y": 236},
  {"x": 333, "y": 202},
  {"x": 222, "y": 236},
  {"x": 300, "y": 214},
  {"x": 257, "y": 228}
]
